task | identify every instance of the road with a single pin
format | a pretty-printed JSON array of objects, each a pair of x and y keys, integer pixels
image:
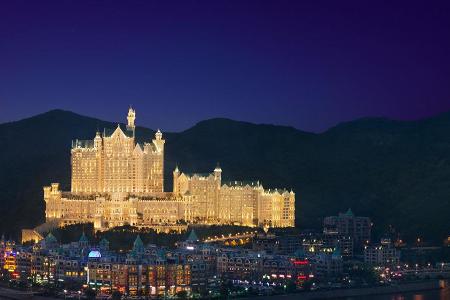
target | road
[{"x": 10, "y": 294}]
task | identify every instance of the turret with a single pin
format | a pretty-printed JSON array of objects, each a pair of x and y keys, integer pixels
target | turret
[
  {"x": 138, "y": 247},
  {"x": 158, "y": 135},
  {"x": 83, "y": 242},
  {"x": 218, "y": 175},
  {"x": 97, "y": 141},
  {"x": 176, "y": 174},
  {"x": 158, "y": 141},
  {"x": 47, "y": 192},
  {"x": 131, "y": 118},
  {"x": 55, "y": 188},
  {"x": 104, "y": 244},
  {"x": 218, "y": 170}
]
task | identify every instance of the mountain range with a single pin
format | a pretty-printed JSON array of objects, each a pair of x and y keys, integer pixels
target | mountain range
[{"x": 395, "y": 172}]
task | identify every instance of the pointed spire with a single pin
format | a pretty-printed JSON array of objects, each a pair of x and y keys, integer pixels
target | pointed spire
[
  {"x": 218, "y": 168},
  {"x": 131, "y": 117},
  {"x": 83, "y": 238},
  {"x": 349, "y": 213},
  {"x": 192, "y": 236},
  {"x": 137, "y": 149},
  {"x": 138, "y": 244},
  {"x": 104, "y": 243},
  {"x": 50, "y": 238},
  {"x": 158, "y": 135}
]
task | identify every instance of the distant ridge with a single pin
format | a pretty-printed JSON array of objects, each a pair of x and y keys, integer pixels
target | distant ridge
[{"x": 397, "y": 172}]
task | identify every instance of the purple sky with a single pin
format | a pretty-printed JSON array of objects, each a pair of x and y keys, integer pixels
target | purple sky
[{"x": 178, "y": 62}]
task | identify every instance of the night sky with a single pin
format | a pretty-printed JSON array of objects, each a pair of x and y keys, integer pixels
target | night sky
[{"x": 282, "y": 62}]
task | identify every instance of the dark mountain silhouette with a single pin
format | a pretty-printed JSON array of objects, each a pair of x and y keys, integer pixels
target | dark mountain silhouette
[{"x": 396, "y": 172}]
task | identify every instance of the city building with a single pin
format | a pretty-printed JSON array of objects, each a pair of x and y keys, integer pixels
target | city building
[
  {"x": 9, "y": 257},
  {"x": 117, "y": 181},
  {"x": 192, "y": 267},
  {"x": 284, "y": 244},
  {"x": 347, "y": 231},
  {"x": 288, "y": 243},
  {"x": 267, "y": 242},
  {"x": 382, "y": 255},
  {"x": 328, "y": 264}
]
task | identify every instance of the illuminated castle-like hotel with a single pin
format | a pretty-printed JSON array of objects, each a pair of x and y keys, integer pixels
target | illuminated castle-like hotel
[{"x": 117, "y": 181}]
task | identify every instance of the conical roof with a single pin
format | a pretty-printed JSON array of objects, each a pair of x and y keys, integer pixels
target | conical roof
[
  {"x": 138, "y": 244},
  {"x": 349, "y": 213},
  {"x": 50, "y": 238},
  {"x": 83, "y": 238},
  {"x": 161, "y": 253},
  {"x": 104, "y": 242},
  {"x": 192, "y": 236}
]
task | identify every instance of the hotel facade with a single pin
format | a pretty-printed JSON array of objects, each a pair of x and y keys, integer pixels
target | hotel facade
[{"x": 117, "y": 181}]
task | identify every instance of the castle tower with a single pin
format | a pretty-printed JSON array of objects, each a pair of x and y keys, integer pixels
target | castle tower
[
  {"x": 158, "y": 160},
  {"x": 159, "y": 142},
  {"x": 218, "y": 182},
  {"x": 176, "y": 174},
  {"x": 218, "y": 174},
  {"x": 131, "y": 118},
  {"x": 98, "y": 141},
  {"x": 98, "y": 146}
]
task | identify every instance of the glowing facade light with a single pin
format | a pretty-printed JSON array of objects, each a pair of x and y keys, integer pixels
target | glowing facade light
[{"x": 94, "y": 254}]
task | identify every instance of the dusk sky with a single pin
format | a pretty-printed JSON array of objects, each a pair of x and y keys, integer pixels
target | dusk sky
[{"x": 310, "y": 66}]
